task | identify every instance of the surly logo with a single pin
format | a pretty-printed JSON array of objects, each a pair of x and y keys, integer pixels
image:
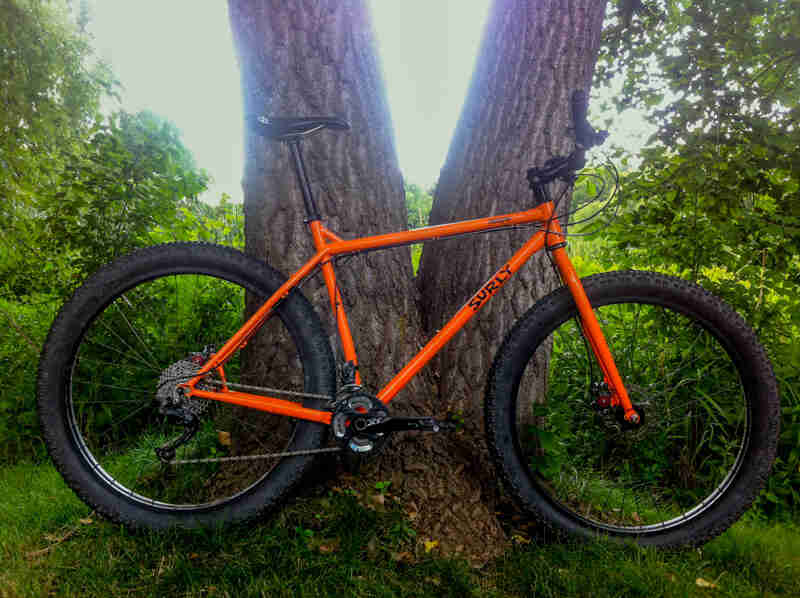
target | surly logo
[{"x": 490, "y": 288}]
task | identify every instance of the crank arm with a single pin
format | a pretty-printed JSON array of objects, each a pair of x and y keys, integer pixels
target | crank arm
[{"x": 406, "y": 424}]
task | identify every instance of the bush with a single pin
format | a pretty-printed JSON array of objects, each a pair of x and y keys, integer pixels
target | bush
[{"x": 22, "y": 332}]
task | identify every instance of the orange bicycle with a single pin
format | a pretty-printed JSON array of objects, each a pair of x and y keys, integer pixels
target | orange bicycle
[{"x": 630, "y": 404}]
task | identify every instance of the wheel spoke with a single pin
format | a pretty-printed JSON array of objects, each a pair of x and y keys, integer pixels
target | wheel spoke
[
  {"x": 133, "y": 329},
  {"x": 124, "y": 342}
]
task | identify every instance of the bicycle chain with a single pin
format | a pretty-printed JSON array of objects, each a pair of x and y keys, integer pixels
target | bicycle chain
[
  {"x": 332, "y": 449},
  {"x": 277, "y": 391},
  {"x": 235, "y": 386}
]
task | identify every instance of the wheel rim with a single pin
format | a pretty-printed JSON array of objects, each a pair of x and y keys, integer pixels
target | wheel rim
[
  {"x": 677, "y": 465},
  {"x": 113, "y": 411}
]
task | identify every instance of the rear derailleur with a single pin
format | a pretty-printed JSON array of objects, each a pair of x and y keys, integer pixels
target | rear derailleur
[
  {"x": 176, "y": 405},
  {"x": 191, "y": 422}
]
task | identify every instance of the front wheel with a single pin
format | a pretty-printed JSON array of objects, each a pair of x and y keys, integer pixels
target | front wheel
[
  {"x": 692, "y": 367},
  {"x": 110, "y": 400}
]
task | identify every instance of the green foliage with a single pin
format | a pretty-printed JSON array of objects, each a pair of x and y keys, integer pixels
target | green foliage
[
  {"x": 693, "y": 409},
  {"x": 50, "y": 91},
  {"x": 383, "y": 486},
  {"x": 132, "y": 177},
  {"x": 418, "y": 205},
  {"x": 783, "y": 486},
  {"x": 131, "y": 174},
  {"x": 711, "y": 73},
  {"x": 720, "y": 183},
  {"x": 25, "y": 318},
  {"x": 717, "y": 198},
  {"x": 76, "y": 189},
  {"x": 740, "y": 258},
  {"x": 198, "y": 221},
  {"x": 22, "y": 330}
]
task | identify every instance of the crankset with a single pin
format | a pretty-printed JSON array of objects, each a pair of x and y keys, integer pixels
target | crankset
[
  {"x": 353, "y": 414},
  {"x": 361, "y": 423}
]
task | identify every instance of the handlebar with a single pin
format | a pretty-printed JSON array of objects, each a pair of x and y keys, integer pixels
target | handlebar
[{"x": 564, "y": 167}]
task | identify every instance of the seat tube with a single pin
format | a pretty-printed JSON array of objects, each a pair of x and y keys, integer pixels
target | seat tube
[
  {"x": 590, "y": 324},
  {"x": 346, "y": 338}
]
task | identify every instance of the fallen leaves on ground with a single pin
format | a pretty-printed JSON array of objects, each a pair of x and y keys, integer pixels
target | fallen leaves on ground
[{"x": 703, "y": 583}]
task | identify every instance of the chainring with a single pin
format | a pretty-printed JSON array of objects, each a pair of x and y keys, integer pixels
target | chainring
[{"x": 355, "y": 413}]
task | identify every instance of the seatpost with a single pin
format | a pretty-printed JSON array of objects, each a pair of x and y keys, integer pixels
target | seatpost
[{"x": 302, "y": 178}]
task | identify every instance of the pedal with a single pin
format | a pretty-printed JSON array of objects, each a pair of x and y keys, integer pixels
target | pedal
[{"x": 411, "y": 424}]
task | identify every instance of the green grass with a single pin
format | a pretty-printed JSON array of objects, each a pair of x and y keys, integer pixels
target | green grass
[
  {"x": 416, "y": 255},
  {"x": 330, "y": 545}
]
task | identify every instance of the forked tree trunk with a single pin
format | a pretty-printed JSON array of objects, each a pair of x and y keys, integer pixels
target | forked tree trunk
[
  {"x": 319, "y": 59},
  {"x": 300, "y": 58},
  {"x": 517, "y": 114}
]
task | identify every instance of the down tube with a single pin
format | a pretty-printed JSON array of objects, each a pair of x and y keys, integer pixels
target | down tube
[{"x": 462, "y": 316}]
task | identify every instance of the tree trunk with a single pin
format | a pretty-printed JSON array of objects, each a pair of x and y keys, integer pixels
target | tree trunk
[
  {"x": 516, "y": 115},
  {"x": 319, "y": 59},
  {"x": 302, "y": 59}
]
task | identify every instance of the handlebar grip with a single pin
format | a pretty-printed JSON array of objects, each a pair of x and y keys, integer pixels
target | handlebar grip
[{"x": 585, "y": 135}]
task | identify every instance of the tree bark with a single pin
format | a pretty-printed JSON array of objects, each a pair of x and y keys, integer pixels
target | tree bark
[{"x": 304, "y": 59}]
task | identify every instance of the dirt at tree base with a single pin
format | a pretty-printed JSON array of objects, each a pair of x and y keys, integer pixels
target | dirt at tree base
[{"x": 447, "y": 492}]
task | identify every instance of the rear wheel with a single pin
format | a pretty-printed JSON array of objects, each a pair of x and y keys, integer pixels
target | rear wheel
[
  {"x": 109, "y": 394},
  {"x": 690, "y": 365}
]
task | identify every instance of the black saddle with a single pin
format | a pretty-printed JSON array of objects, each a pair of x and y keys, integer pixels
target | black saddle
[{"x": 288, "y": 128}]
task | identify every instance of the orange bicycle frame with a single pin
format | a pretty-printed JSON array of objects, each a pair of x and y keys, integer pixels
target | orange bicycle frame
[{"x": 329, "y": 245}]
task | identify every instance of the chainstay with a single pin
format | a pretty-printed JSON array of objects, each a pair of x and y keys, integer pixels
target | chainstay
[{"x": 332, "y": 449}]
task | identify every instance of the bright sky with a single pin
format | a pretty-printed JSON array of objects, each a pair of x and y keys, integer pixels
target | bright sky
[{"x": 176, "y": 58}]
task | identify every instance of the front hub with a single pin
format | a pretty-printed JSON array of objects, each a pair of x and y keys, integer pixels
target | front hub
[{"x": 630, "y": 424}]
